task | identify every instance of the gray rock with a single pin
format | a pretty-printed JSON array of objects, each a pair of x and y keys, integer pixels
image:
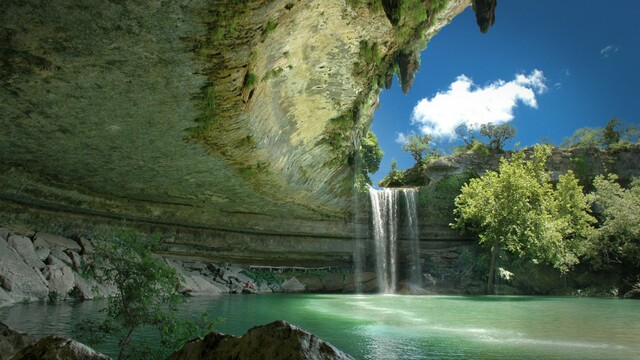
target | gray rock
[
  {"x": 6, "y": 283},
  {"x": 58, "y": 253},
  {"x": 76, "y": 260},
  {"x": 11, "y": 341},
  {"x": 43, "y": 253},
  {"x": 86, "y": 245},
  {"x": 264, "y": 288},
  {"x": 277, "y": 340},
  {"x": 204, "y": 287},
  {"x": 54, "y": 241},
  {"x": 312, "y": 283},
  {"x": 83, "y": 289},
  {"x": 333, "y": 282},
  {"x": 52, "y": 260},
  {"x": 4, "y": 233},
  {"x": 292, "y": 286},
  {"x": 61, "y": 280},
  {"x": 56, "y": 347},
  {"x": 26, "y": 281},
  {"x": 24, "y": 247}
]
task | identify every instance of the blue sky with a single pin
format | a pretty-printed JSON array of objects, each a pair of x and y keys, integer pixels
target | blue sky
[{"x": 551, "y": 66}]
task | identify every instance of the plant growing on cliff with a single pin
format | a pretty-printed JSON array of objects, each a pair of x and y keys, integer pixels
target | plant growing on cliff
[
  {"x": 417, "y": 146},
  {"x": 146, "y": 295},
  {"x": 517, "y": 209},
  {"x": 497, "y": 135}
]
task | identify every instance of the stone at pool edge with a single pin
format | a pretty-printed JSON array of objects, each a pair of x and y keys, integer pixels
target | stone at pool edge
[
  {"x": 11, "y": 341},
  {"x": 277, "y": 340},
  {"x": 58, "y": 347}
]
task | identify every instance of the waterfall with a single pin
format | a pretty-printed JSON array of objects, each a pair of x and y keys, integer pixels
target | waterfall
[{"x": 384, "y": 213}]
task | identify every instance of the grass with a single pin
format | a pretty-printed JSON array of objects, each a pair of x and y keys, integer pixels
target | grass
[{"x": 250, "y": 81}]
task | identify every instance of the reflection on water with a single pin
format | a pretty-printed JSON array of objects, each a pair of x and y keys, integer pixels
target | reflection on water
[{"x": 406, "y": 327}]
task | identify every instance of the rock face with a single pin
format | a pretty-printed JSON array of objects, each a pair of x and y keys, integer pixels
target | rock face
[
  {"x": 57, "y": 347},
  {"x": 11, "y": 341},
  {"x": 220, "y": 120},
  {"x": 277, "y": 340}
]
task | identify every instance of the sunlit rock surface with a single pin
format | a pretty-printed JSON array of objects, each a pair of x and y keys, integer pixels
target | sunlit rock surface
[{"x": 140, "y": 111}]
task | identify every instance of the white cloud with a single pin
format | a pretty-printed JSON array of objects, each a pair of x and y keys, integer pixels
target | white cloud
[
  {"x": 466, "y": 103},
  {"x": 401, "y": 138},
  {"x": 609, "y": 50}
]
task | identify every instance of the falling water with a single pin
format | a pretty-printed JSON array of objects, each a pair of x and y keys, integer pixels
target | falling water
[{"x": 384, "y": 211}]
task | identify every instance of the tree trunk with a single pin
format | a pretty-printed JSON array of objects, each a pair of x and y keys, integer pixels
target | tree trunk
[
  {"x": 124, "y": 343},
  {"x": 492, "y": 270}
]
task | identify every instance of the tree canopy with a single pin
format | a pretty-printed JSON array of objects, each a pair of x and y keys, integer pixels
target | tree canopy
[
  {"x": 417, "y": 146},
  {"x": 518, "y": 209}
]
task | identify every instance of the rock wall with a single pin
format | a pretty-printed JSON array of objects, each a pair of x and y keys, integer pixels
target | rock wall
[{"x": 191, "y": 115}]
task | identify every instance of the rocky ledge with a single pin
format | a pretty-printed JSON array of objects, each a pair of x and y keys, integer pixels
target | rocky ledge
[{"x": 41, "y": 266}]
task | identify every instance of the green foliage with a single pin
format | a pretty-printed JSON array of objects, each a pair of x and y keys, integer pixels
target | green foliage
[
  {"x": 273, "y": 73},
  {"x": 583, "y": 138},
  {"x": 146, "y": 295},
  {"x": 271, "y": 26},
  {"x": 395, "y": 177},
  {"x": 250, "y": 81},
  {"x": 611, "y": 133},
  {"x": 518, "y": 210},
  {"x": 497, "y": 134},
  {"x": 370, "y": 153},
  {"x": 417, "y": 146},
  {"x": 439, "y": 196},
  {"x": 617, "y": 239}
]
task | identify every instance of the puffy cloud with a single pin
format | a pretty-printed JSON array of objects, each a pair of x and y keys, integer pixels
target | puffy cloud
[
  {"x": 466, "y": 103},
  {"x": 401, "y": 138},
  {"x": 609, "y": 50}
]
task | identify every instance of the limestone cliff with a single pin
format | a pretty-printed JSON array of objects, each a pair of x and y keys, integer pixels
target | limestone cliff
[{"x": 237, "y": 121}]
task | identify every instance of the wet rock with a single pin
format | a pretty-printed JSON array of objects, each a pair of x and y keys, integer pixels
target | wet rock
[
  {"x": 277, "y": 340},
  {"x": 24, "y": 247},
  {"x": 11, "y": 341},
  {"x": 292, "y": 286},
  {"x": 58, "y": 347}
]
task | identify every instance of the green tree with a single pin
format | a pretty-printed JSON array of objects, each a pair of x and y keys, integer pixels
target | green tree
[
  {"x": 370, "y": 153},
  {"x": 517, "y": 209},
  {"x": 417, "y": 146},
  {"x": 617, "y": 239},
  {"x": 146, "y": 295},
  {"x": 498, "y": 135},
  {"x": 611, "y": 133},
  {"x": 582, "y": 138}
]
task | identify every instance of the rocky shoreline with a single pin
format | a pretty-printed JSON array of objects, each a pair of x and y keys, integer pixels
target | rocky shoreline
[{"x": 38, "y": 266}]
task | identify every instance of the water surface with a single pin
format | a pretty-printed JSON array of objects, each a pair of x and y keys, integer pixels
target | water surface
[{"x": 407, "y": 327}]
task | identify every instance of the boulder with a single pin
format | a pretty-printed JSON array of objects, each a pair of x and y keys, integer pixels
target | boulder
[
  {"x": 43, "y": 253},
  {"x": 4, "y": 233},
  {"x": 56, "y": 347},
  {"x": 205, "y": 287},
  {"x": 58, "y": 253},
  {"x": 25, "y": 282},
  {"x": 11, "y": 341},
  {"x": 86, "y": 245},
  {"x": 367, "y": 281},
  {"x": 333, "y": 282},
  {"x": 61, "y": 280},
  {"x": 76, "y": 260},
  {"x": 83, "y": 290},
  {"x": 312, "y": 283},
  {"x": 292, "y": 286},
  {"x": 52, "y": 260},
  {"x": 277, "y": 340},
  {"x": 24, "y": 247},
  {"x": 54, "y": 241}
]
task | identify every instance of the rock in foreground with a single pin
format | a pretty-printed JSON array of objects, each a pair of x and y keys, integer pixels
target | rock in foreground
[
  {"x": 11, "y": 341},
  {"x": 277, "y": 340},
  {"x": 56, "y": 347}
]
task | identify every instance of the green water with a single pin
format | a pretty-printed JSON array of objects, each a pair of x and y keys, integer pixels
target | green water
[{"x": 408, "y": 327}]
